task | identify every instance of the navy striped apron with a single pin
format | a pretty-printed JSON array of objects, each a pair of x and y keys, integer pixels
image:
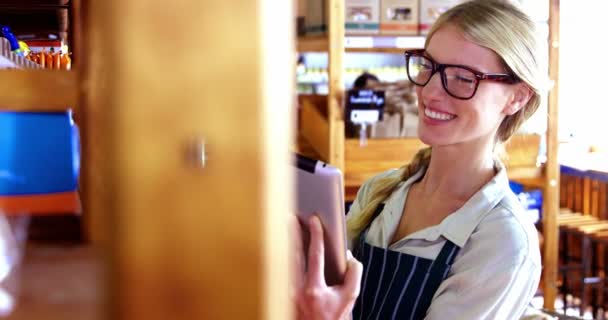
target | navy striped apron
[{"x": 398, "y": 285}]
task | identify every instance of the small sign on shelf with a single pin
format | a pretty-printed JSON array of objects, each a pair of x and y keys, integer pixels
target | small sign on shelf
[
  {"x": 359, "y": 42},
  {"x": 383, "y": 42},
  {"x": 409, "y": 42}
]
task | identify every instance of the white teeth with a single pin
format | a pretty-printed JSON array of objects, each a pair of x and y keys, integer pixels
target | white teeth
[{"x": 438, "y": 115}]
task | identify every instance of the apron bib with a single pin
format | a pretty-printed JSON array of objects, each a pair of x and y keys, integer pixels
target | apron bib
[{"x": 397, "y": 285}]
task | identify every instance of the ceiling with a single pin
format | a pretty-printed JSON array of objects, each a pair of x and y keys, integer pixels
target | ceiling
[{"x": 39, "y": 19}]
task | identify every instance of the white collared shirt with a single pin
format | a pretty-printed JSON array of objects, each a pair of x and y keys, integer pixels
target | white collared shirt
[{"x": 498, "y": 267}]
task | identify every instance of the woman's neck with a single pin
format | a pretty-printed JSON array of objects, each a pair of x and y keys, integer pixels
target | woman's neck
[{"x": 458, "y": 170}]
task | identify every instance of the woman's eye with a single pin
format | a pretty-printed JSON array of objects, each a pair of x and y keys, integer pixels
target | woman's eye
[
  {"x": 464, "y": 79},
  {"x": 426, "y": 63}
]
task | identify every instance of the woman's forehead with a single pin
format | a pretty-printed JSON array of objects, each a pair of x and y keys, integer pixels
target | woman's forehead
[{"x": 448, "y": 45}]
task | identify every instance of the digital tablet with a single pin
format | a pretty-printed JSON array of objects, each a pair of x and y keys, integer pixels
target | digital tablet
[{"x": 320, "y": 191}]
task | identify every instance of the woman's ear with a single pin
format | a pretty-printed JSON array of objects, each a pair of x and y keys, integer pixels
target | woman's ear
[{"x": 519, "y": 99}]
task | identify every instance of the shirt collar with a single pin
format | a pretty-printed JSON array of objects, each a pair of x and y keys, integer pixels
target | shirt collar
[{"x": 458, "y": 226}]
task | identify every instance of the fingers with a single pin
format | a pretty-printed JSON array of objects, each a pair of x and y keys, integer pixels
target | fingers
[
  {"x": 352, "y": 278},
  {"x": 316, "y": 252},
  {"x": 297, "y": 252}
]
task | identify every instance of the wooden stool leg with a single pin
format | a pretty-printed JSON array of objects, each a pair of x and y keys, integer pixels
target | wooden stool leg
[
  {"x": 564, "y": 271},
  {"x": 585, "y": 257},
  {"x": 603, "y": 286},
  {"x": 595, "y": 275}
]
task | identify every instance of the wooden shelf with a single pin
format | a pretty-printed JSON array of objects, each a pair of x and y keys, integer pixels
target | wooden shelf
[
  {"x": 314, "y": 127},
  {"x": 363, "y": 162},
  {"x": 303, "y": 147},
  {"x": 38, "y": 90},
  {"x": 363, "y": 43},
  {"x": 312, "y": 44},
  {"x": 14, "y": 61},
  {"x": 11, "y": 60},
  {"x": 383, "y": 154},
  {"x": 27, "y": 87}
]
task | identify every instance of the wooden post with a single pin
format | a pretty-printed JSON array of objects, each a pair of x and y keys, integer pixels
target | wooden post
[
  {"x": 587, "y": 195},
  {"x": 336, "y": 83},
  {"x": 603, "y": 201},
  {"x": 190, "y": 161},
  {"x": 578, "y": 195},
  {"x": 570, "y": 192},
  {"x": 81, "y": 66},
  {"x": 563, "y": 183},
  {"x": 595, "y": 198},
  {"x": 551, "y": 201},
  {"x": 96, "y": 120}
]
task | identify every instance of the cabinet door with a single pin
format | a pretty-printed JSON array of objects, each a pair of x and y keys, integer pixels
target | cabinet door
[{"x": 189, "y": 131}]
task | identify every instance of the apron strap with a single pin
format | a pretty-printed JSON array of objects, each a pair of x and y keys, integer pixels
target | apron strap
[
  {"x": 446, "y": 255},
  {"x": 441, "y": 267}
]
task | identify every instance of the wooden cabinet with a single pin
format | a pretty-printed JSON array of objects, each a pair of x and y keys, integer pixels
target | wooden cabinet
[
  {"x": 186, "y": 163},
  {"x": 192, "y": 135}
]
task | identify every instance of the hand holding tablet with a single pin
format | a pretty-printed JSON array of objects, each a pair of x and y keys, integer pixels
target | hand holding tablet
[
  {"x": 328, "y": 278},
  {"x": 319, "y": 191}
]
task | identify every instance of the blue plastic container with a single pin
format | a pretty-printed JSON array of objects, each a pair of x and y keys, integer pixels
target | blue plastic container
[
  {"x": 516, "y": 187},
  {"x": 39, "y": 153},
  {"x": 532, "y": 200}
]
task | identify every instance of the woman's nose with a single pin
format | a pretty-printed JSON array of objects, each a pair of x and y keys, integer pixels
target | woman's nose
[{"x": 434, "y": 87}]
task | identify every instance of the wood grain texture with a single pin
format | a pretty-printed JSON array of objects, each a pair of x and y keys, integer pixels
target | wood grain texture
[
  {"x": 98, "y": 122},
  {"x": 188, "y": 242},
  {"x": 315, "y": 129},
  {"x": 587, "y": 195},
  {"x": 562, "y": 191},
  {"x": 595, "y": 198},
  {"x": 363, "y": 162},
  {"x": 336, "y": 83},
  {"x": 578, "y": 194},
  {"x": 551, "y": 193},
  {"x": 38, "y": 90},
  {"x": 603, "y": 201},
  {"x": 571, "y": 182},
  {"x": 522, "y": 150},
  {"x": 88, "y": 43},
  {"x": 318, "y": 43}
]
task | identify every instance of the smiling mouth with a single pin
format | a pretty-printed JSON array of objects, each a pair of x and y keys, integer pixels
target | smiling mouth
[{"x": 436, "y": 115}]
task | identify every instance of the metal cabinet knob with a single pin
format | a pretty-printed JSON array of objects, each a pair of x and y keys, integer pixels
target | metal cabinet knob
[{"x": 196, "y": 153}]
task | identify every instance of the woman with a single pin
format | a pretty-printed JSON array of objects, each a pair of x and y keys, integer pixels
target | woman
[{"x": 444, "y": 237}]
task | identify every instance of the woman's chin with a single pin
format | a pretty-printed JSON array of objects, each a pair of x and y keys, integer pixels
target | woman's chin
[{"x": 433, "y": 139}]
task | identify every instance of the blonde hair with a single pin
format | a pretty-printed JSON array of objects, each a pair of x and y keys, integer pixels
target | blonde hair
[
  {"x": 381, "y": 189},
  {"x": 501, "y": 27}
]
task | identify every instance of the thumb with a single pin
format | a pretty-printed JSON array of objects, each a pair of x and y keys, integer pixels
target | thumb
[
  {"x": 316, "y": 252},
  {"x": 352, "y": 279},
  {"x": 349, "y": 255}
]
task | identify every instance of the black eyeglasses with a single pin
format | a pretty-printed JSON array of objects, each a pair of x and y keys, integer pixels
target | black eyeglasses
[{"x": 460, "y": 82}]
